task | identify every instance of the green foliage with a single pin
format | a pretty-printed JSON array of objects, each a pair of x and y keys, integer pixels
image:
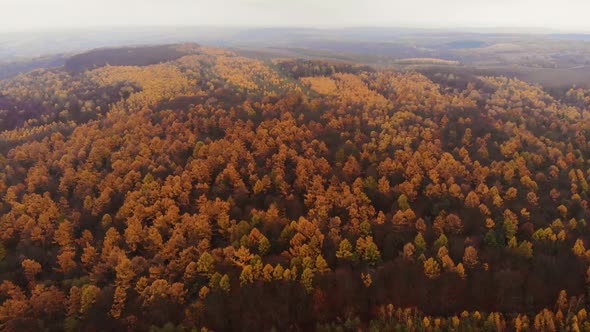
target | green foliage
[
  {"x": 402, "y": 202},
  {"x": 206, "y": 264},
  {"x": 247, "y": 275},
  {"x": 490, "y": 239},
  {"x": 344, "y": 250},
  {"x": 224, "y": 283},
  {"x": 442, "y": 241},
  {"x": 419, "y": 244},
  {"x": 371, "y": 254},
  {"x": 321, "y": 265},
  {"x": 215, "y": 280},
  {"x": 89, "y": 295},
  {"x": 307, "y": 279},
  {"x": 365, "y": 227},
  {"x": 510, "y": 228},
  {"x": 263, "y": 246},
  {"x": 525, "y": 249}
]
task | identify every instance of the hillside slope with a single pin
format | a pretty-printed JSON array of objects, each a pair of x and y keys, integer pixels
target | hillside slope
[{"x": 224, "y": 192}]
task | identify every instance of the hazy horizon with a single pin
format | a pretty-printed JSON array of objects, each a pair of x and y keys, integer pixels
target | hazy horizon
[{"x": 34, "y": 15}]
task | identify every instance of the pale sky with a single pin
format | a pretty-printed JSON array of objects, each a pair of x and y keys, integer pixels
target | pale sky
[{"x": 34, "y": 14}]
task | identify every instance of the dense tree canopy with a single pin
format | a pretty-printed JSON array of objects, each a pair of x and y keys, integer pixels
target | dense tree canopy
[{"x": 228, "y": 193}]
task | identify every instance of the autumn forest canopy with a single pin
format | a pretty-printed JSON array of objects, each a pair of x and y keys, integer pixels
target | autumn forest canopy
[{"x": 187, "y": 187}]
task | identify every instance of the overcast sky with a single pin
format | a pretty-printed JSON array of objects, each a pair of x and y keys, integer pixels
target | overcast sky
[{"x": 33, "y": 14}]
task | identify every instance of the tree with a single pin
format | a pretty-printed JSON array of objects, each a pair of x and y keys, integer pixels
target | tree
[
  {"x": 525, "y": 249},
  {"x": 246, "y": 276},
  {"x": 279, "y": 272},
  {"x": 453, "y": 224},
  {"x": 510, "y": 224},
  {"x": 321, "y": 265},
  {"x": 203, "y": 292},
  {"x": 31, "y": 269},
  {"x": 344, "y": 250},
  {"x": 367, "y": 280},
  {"x": 267, "y": 273},
  {"x": 263, "y": 245},
  {"x": 562, "y": 210},
  {"x": 532, "y": 198},
  {"x": 307, "y": 279},
  {"x": 206, "y": 264},
  {"x": 455, "y": 191},
  {"x": 65, "y": 260},
  {"x": 470, "y": 257},
  {"x": 579, "y": 249},
  {"x": 402, "y": 202},
  {"x": 73, "y": 302},
  {"x": 351, "y": 168},
  {"x": 404, "y": 217},
  {"x": 214, "y": 280},
  {"x": 490, "y": 223},
  {"x": 133, "y": 233},
  {"x": 472, "y": 200},
  {"x": 510, "y": 194},
  {"x": 420, "y": 244},
  {"x": 420, "y": 225},
  {"x": 241, "y": 257},
  {"x": 46, "y": 301},
  {"x": 368, "y": 250},
  {"x": 490, "y": 238},
  {"x": 64, "y": 234},
  {"x": 124, "y": 273},
  {"x": 365, "y": 228},
  {"x": 88, "y": 298},
  {"x": 106, "y": 221},
  {"x": 431, "y": 268},
  {"x": 442, "y": 241},
  {"x": 408, "y": 250},
  {"x": 460, "y": 270},
  {"x": 562, "y": 301},
  {"x": 118, "y": 302},
  {"x": 371, "y": 253},
  {"x": 224, "y": 283},
  {"x": 554, "y": 194},
  {"x": 383, "y": 186}
]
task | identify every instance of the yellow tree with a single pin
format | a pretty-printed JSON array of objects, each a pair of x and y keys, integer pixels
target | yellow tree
[{"x": 431, "y": 268}]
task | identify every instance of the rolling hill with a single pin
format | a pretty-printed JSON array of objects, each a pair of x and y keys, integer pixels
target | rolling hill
[{"x": 184, "y": 186}]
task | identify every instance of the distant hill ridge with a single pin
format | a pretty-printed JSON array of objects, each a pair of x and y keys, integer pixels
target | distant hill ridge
[{"x": 128, "y": 56}]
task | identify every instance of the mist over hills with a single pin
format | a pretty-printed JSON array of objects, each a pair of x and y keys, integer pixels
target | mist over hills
[{"x": 555, "y": 60}]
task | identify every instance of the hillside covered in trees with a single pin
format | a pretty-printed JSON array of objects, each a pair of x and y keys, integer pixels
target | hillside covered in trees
[{"x": 202, "y": 190}]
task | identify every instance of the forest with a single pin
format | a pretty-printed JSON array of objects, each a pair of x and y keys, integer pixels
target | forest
[{"x": 197, "y": 189}]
